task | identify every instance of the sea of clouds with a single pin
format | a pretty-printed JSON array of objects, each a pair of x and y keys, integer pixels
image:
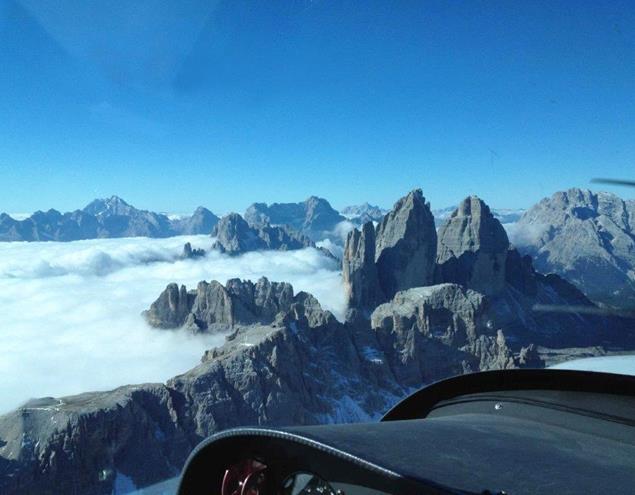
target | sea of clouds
[{"x": 70, "y": 312}]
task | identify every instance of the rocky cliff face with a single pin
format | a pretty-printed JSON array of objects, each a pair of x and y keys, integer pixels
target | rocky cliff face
[
  {"x": 406, "y": 245},
  {"x": 359, "y": 272},
  {"x": 313, "y": 217},
  {"x": 474, "y": 252},
  {"x": 587, "y": 238},
  {"x": 214, "y": 307},
  {"x": 432, "y": 332},
  {"x": 472, "y": 248},
  {"x": 93, "y": 443},
  {"x": 235, "y": 236},
  {"x": 103, "y": 218}
]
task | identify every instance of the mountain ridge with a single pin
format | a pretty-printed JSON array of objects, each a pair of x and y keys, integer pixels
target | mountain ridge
[
  {"x": 103, "y": 218},
  {"x": 587, "y": 238}
]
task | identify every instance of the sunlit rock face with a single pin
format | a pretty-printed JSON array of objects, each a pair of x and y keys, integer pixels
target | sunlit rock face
[
  {"x": 440, "y": 331},
  {"x": 396, "y": 255},
  {"x": 214, "y": 307},
  {"x": 588, "y": 238},
  {"x": 472, "y": 248},
  {"x": 406, "y": 245}
]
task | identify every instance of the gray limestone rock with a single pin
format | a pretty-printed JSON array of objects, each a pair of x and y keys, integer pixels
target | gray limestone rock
[
  {"x": 406, "y": 245},
  {"x": 235, "y": 236},
  {"x": 588, "y": 238},
  {"x": 472, "y": 248},
  {"x": 88, "y": 443},
  {"x": 359, "y": 272},
  {"x": 214, "y": 307},
  {"x": 436, "y": 331},
  {"x": 171, "y": 307}
]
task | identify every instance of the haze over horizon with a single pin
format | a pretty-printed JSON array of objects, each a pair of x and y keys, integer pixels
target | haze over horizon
[{"x": 176, "y": 105}]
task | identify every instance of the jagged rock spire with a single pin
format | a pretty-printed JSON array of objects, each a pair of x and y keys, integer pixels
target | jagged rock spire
[
  {"x": 359, "y": 271},
  {"x": 406, "y": 245},
  {"x": 472, "y": 248},
  {"x": 399, "y": 254}
]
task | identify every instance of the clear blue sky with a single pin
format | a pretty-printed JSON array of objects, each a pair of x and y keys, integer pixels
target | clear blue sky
[{"x": 175, "y": 104}]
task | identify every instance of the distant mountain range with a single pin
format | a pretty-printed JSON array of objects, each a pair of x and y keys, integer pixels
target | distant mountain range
[
  {"x": 114, "y": 217},
  {"x": 361, "y": 214},
  {"x": 103, "y": 218},
  {"x": 587, "y": 238}
]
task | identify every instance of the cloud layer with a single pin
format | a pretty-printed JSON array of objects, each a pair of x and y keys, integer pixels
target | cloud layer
[{"x": 71, "y": 311}]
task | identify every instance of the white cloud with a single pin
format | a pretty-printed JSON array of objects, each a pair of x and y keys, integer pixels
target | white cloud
[
  {"x": 525, "y": 234},
  {"x": 342, "y": 229},
  {"x": 335, "y": 249},
  {"x": 71, "y": 311}
]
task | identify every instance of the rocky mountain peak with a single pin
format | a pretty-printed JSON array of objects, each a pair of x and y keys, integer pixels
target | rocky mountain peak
[
  {"x": 586, "y": 237},
  {"x": 51, "y": 213},
  {"x": 202, "y": 221},
  {"x": 201, "y": 210},
  {"x": 396, "y": 255},
  {"x": 320, "y": 215},
  {"x": 472, "y": 248},
  {"x": 314, "y": 200},
  {"x": 213, "y": 306},
  {"x": 406, "y": 245},
  {"x": 471, "y": 227},
  {"x": 235, "y": 236},
  {"x": 584, "y": 205},
  {"x": 312, "y": 217},
  {"x": 113, "y": 205}
]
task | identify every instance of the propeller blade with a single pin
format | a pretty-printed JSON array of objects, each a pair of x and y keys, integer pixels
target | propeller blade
[{"x": 614, "y": 182}]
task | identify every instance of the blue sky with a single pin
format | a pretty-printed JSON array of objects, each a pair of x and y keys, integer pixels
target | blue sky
[{"x": 175, "y": 104}]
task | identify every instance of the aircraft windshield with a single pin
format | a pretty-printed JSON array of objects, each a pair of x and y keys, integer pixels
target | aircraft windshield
[{"x": 219, "y": 214}]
